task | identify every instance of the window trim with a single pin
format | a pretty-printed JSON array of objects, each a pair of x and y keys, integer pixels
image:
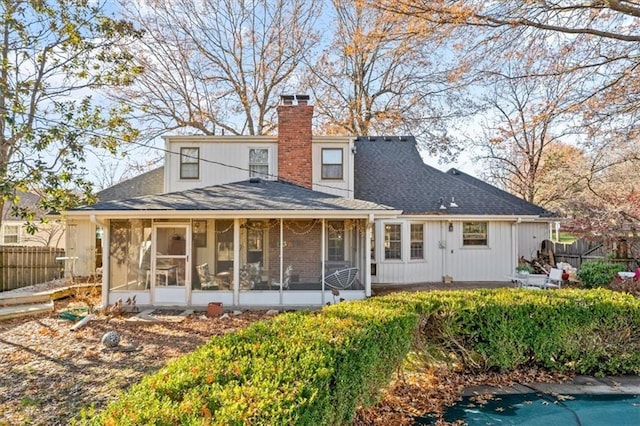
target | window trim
[
  {"x": 420, "y": 241},
  {"x": 260, "y": 175},
  {"x": 483, "y": 242},
  {"x": 191, "y": 162},
  {"x": 16, "y": 234},
  {"x": 389, "y": 241},
  {"x": 323, "y": 175}
]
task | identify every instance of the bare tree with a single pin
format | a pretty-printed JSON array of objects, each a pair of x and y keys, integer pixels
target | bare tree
[
  {"x": 217, "y": 66},
  {"x": 379, "y": 75}
]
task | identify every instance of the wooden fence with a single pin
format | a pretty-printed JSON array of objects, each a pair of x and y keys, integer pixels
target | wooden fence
[
  {"x": 25, "y": 266},
  {"x": 584, "y": 251}
]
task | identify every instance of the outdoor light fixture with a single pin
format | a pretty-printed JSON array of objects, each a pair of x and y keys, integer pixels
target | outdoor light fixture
[
  {"x": 450, "y": 227},
  {"x": 442, "y": 206}
]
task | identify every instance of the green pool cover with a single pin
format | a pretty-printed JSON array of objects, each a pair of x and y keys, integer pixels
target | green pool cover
[{"x": 544, "y": 410}]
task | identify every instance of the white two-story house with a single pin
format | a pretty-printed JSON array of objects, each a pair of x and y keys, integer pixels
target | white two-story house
[{"x": 300, "y": 220}]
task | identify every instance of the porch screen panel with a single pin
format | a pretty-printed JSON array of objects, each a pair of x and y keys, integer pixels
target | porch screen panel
[{"x": 130, "y": 252}]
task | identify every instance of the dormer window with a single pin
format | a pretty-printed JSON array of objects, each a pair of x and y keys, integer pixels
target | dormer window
[
  {"x": 259, "y": 163},
  {"x": 332, "y": 163},
  {"x": 189, "y": 163}
]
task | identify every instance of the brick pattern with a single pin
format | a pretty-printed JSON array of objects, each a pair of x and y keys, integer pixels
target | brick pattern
[
  {"x": 302, "y": 251},
  {"x": 294, "y": 144}
]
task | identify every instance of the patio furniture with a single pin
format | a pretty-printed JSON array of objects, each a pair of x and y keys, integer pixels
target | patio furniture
[
  {"x": 207, "y": 280},
  {"x": 342, "y": 279},
  {"x": 286, "y": 279}
]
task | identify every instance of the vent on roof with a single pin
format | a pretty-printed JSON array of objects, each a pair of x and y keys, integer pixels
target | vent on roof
[
  {"x": 387, "y": 138},
  {"x": 403, "y": 138},
  {"x": 372, "y": 138},
  {"x": 455, "y": 172},
  {"x": 255, "y": 180}
]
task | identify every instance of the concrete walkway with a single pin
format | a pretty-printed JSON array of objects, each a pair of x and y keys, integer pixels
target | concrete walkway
[
  {"x": 578, "y": 385},
  {"x": 15, "y": 304}
]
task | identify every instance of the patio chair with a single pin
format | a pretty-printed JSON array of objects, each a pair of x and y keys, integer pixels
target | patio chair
[
  {"x": 341, "y": 279},
  {"x": 207, "y": 280},
  {"x": 286, "y": 278},
  {"x": 554, "y": 280}
]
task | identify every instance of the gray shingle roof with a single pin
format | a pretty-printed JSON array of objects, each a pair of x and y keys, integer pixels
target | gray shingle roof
[
  {"x": 26, "y": 200},
  {"x": 390, "y": 171},
  {"x": 149, "y": 183},
  {"x": 244, "y": 196}
]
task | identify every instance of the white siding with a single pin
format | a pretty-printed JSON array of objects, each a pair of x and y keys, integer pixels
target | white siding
[
  {"x": 221, "y": 161},
  {"x": 446, "y": 255},
  {"x": 342, "y": 187},
  {"x": 530, "y": 237}
]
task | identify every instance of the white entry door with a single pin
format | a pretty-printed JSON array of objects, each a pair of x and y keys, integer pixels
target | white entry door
[{"x": 170, "y": 273}]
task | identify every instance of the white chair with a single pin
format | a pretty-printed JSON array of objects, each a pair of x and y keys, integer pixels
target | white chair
[{"x": 554, "y": 280}]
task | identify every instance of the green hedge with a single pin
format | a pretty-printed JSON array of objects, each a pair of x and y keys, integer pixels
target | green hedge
[
  {"x": 583, "y": 331},
  {"x": 598, "y": 273},
  {"x": 298, "y": 368},
  {"x": 317, "y": 368}
]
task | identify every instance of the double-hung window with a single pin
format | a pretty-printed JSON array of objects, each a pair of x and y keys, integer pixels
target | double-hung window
[
  {"x": 259, "y": 163},
  {"x": 189, "y": 163},
  {"x": 417, "y": 241},
  {"x": 393, "y": 241},
  {"x": 11, "y": 234},
  {"x": 332, "y": 160}
]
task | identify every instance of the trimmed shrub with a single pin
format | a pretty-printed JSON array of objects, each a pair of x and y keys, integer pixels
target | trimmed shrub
[
  {"x": 298, "y": 368},
  {"x": 318, "y": 367},
  {"x": 598, "y": 273},
  {"x": 587, "y": 332}
]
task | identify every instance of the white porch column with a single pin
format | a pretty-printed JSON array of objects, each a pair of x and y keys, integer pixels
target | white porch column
[
  {"x": 236, "y": 262},
  {"x": 367, "y": 256},
  {"x": 322, "y": 259},
  {"x": 281, "y": 259},
  {"x": 106, "y": 263}
]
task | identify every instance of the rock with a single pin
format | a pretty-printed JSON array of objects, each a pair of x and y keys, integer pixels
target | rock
[
  {"x": 273, "y": 312},
  {"x": 224, "y": 316},
  {"x": 111, "y": 339}
]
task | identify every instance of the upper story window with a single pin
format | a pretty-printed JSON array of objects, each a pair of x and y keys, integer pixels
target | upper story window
[
  {"x": 332, "y": 163},
  {"x": 189, "y": 163},
  {"x": 11, "y": 234},
  {"x": 474, "y": 234},
  {"x": 259, "y": 163},
  {"x": 417, "y": 241},
  {"x": 393, "y": 241},
  {"x": 335, "y": 246}
]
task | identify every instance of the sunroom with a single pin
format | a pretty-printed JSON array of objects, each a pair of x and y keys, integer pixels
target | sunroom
[{"x": 249, "y": 244}]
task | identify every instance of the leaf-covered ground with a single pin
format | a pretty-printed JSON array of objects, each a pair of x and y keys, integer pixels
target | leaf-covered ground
[{"x": 48, "y": 373}]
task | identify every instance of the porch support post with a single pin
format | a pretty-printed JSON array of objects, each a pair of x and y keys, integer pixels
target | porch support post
[
  {"x": 322, "y": 259},
  {"x": 106, "y": 263},
  {"x": 367, "y": 256},
  {"x": 281, "y": 258},
  {"x": 236, "y": 262}
]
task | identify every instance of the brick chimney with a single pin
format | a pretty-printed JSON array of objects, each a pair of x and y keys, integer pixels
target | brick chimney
[{"x": 294, "y": 140}]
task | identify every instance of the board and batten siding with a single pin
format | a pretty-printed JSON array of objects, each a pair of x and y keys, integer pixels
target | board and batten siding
[
  {"x": 445, "y": 254},
  {"x": 530, "y": 237}
]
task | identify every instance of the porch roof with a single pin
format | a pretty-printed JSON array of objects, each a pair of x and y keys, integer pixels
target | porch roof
[{"x": 258, "y": 196}]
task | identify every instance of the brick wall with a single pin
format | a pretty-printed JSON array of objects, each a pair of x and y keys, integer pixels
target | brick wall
[
  {"x": 302, "y": 250},
  {"x": 294, "y": 143}
]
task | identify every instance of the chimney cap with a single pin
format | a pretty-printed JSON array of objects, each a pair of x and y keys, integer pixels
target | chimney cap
[
  {"x": 287, "y": 99},
  {"x": 302, "y": 99}
]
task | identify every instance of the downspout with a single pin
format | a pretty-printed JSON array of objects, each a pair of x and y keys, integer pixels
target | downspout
[
  {"x": 367, "y": 256},
  {"x": 106, "y": 258},
  {"x": 514, "y": 245}
]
